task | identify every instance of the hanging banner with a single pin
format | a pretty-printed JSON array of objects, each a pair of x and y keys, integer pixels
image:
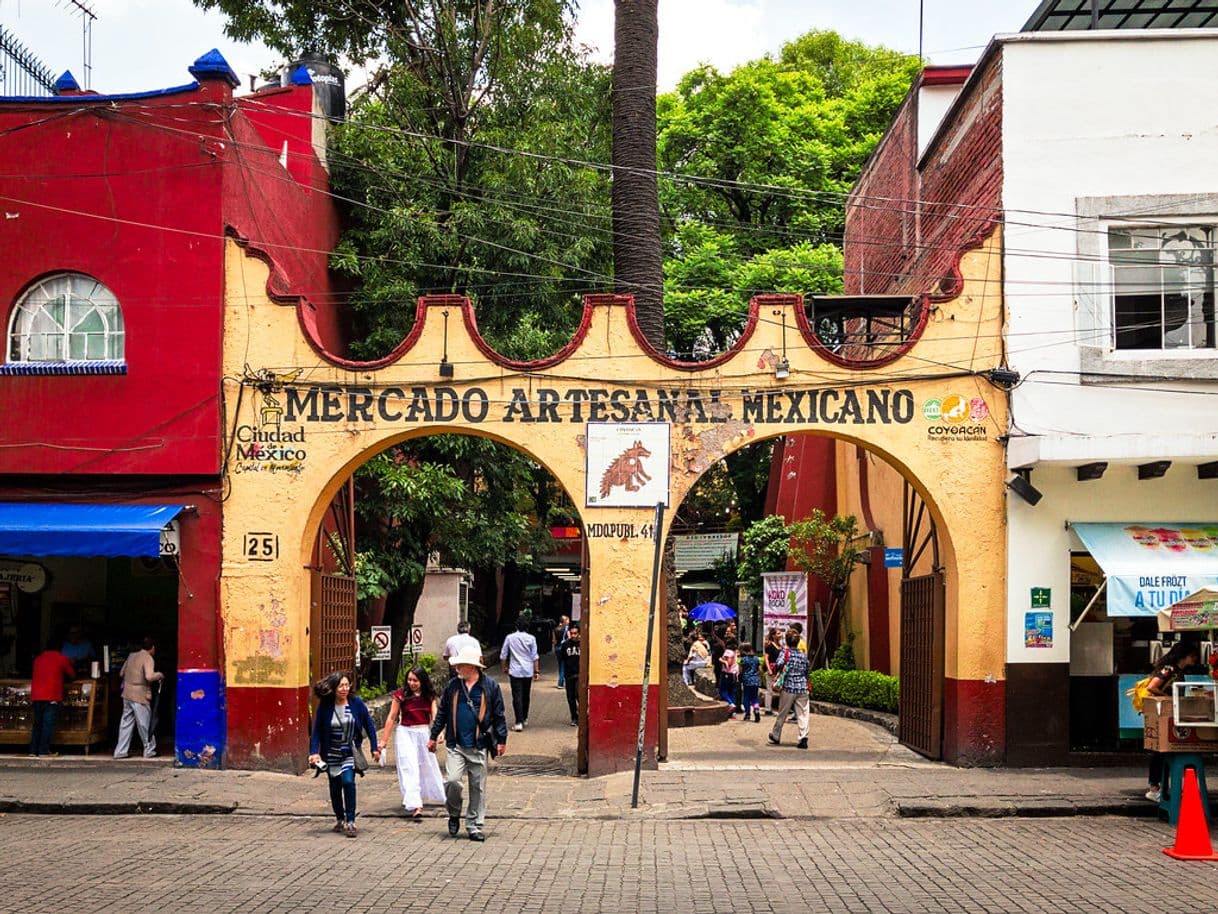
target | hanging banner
[
  {"x": 785, "y": 596},
  {"x": 1151, "y": 566}
]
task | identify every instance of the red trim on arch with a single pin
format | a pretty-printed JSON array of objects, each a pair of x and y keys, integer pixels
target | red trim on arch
[{"x": 640, "y": 338}]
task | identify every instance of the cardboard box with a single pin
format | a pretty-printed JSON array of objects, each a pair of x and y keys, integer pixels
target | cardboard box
[{"x": 1160, "y": 734}]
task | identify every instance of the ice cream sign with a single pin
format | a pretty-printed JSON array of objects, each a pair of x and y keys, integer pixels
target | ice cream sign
[{"x": 1149, "y": 566}]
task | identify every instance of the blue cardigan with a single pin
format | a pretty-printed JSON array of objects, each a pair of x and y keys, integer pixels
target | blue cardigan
[{"x": 319, "y": 742}]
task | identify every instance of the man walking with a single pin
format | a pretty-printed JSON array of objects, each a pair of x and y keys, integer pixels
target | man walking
[
  {"x": 568, "y": 666},
  {"x": 794, "y": 692},
  {"x": 470, "y": 714},
  {"x": 461, "y": 642},
  {"x": 138, "y": 674},
  {"x": 51, "y": 670},
  {"x": 557, "y": 637},
  {"x": 522, "y": 664}
]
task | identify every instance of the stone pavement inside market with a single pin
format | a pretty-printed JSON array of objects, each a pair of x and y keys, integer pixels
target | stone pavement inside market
[{"x": 851, "y": 769}]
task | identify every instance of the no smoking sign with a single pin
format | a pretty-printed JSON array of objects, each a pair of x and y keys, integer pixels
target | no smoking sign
[{"x": 381, "y": 635}]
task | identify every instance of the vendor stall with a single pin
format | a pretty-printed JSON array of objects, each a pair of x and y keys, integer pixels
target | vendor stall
[{"x": 82, "y": 720}]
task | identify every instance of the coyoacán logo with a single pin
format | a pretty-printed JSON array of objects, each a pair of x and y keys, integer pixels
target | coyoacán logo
[
  {"x": 626, "y": 470},
  {"x": 956, "y": 418}
]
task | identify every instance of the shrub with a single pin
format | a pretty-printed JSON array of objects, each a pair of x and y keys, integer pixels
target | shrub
[
  {"x": 856, "y": 688},
  {"x": 843, "y": 657}
]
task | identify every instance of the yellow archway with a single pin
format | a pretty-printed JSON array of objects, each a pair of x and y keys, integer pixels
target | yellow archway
[{"x": 301, "y": 421}]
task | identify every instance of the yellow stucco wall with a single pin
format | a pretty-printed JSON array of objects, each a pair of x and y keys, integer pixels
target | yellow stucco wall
[{"x": 330, "y": 419}]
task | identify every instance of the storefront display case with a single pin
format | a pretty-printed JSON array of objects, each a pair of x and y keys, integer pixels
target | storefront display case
[{"x": 82, "y": 720}]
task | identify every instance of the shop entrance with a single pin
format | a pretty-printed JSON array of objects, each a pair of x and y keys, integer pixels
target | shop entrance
[
  {"x": 622, "y": 428},
  {"x": 64, "y": 593}
]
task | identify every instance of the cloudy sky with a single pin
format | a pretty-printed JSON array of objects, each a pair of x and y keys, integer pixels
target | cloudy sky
[{"x": 147, "y": 44}]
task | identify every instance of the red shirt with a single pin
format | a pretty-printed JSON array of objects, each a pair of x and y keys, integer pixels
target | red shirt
[
  {"x": 415, "y": 709},
  {"x": 51, "y": 670}
]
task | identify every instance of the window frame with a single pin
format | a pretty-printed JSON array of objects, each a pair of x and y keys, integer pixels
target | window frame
[
  {"x": 80, "y": 298},
  {"x": 1161, "y": 265},
  {"x": 1099, "y": 359}
]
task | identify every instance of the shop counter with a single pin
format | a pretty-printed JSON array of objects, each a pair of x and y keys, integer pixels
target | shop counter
[{"x": 83, "y": 716}]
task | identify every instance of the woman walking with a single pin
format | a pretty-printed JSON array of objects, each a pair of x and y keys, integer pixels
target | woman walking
[
  {"x": 338, "y": 732},
  {"x": 413, "y": 709}
]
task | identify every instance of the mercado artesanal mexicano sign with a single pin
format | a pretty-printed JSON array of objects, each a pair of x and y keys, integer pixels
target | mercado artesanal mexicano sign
[{"x": 829, "y": 405}]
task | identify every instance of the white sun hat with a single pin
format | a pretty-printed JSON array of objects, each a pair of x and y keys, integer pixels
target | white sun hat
[{"x": 467, "y": 656}]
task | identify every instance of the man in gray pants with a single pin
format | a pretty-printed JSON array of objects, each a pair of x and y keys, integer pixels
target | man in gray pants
[
  {"x": 138, "y": 674},
  {"x": 470, "y": 714}
]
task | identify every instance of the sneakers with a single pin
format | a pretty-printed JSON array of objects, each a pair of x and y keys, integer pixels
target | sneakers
[
  {"x": 575, "y": 723},
  {"x": 1154, "y": 795},
  {"x": 454, "y": 825},
  {"x": 477, "y": 836},
  {"x": 802, "y": 744},
  {"x": 518, "y": 727},
  {"x": 772, "y": 738}
]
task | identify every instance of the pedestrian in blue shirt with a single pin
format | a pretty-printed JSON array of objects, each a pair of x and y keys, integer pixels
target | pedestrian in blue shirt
[{"x": 750, "y": 681}]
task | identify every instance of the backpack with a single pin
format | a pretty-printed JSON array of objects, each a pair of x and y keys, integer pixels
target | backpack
[{"x": 1138, "y": 693}]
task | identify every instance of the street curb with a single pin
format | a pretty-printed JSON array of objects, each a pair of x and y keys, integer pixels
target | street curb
[
  {"x": 971, "y": 808},
  {"x": 889, "y": 722},
  {"x": 140, "y": 807}
]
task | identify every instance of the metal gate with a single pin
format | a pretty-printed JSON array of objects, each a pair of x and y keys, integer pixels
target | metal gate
[
  {"x": 922, "y": 633},
  {"x": 332, "y": 624}
]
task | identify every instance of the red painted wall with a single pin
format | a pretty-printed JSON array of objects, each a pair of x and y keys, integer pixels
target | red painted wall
[
  {"x": 613, "y": 727},
  {"x": 974, "y": 722},
  {"x": 907, "y": 223},
  {"x": 138, "y": 193}
]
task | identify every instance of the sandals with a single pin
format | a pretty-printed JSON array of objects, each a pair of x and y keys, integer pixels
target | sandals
[
  {"x": 417, "y": 814},
  {"x": 339, "y": 827}
]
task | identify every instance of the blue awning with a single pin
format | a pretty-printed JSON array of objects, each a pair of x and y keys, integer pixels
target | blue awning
[{"x": 83, "y": 530}]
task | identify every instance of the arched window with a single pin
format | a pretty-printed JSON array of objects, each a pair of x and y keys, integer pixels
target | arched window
[{"x": 68, "y": 317}]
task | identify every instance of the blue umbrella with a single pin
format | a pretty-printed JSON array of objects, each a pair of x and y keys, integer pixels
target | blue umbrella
[{"x": 711, "y": 612}]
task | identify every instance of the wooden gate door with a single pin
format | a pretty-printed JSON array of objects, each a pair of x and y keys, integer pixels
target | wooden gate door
[
  {"x": 922, "y": 633},
  {"x": 332, "y": 625}
]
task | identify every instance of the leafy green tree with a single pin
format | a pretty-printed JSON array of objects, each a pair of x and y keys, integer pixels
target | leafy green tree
[
  {"x": 466, "y": 500},
  {"x": 828, "y": 548},
  {"x": 772, "y": 148},
  {"x": 763, "y": 549}
]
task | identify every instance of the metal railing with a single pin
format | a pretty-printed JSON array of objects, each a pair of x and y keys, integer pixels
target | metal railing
[{"x": 21, "y": 73}]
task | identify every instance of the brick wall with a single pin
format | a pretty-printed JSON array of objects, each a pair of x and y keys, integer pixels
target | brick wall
[{"x": 906, "y": 226}]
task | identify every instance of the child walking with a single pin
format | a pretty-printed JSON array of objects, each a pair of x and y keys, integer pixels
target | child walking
[
  {"x": 750, "y": 681},
  {"x": 729, "y": 675}
]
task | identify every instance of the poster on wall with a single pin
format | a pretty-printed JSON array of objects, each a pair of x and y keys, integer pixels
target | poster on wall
[
  {"x": 785, "y": 596},
  {"x": 1038, "y": 629},
  {"x": 627, "y": 464}
]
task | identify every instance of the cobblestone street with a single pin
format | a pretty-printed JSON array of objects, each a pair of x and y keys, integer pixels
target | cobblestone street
[{"x": 290, "y": 864}]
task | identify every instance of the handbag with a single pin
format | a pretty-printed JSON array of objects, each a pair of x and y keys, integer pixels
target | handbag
[{"x": 357, "y": 756}]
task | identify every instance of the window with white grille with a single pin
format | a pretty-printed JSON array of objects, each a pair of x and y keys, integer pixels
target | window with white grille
[{"x": 68, "y": 317}]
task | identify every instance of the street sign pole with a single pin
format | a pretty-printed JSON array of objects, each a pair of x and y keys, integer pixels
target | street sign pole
[{"x": 651, "y": 628}]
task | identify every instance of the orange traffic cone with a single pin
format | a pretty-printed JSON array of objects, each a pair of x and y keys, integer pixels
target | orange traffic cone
[{"x": 1192, "y": 832}]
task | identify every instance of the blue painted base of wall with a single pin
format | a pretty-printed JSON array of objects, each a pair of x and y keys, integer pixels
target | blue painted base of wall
[{"x": 201, "y": 727}]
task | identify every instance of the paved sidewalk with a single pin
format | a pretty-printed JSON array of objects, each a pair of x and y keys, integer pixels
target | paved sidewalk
[{"x": 852, "y": 769}]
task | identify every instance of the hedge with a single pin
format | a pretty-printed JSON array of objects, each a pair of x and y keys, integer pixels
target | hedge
[{"x": 856, "y": 688}]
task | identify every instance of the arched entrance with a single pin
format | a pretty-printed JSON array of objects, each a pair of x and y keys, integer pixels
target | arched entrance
[{"x": 619, "y": 427}]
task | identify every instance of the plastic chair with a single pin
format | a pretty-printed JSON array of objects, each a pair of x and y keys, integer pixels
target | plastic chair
[{"x": 1173, "y": 781}]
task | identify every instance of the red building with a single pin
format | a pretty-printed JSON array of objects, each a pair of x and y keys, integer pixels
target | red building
[{"x": 115, "y": 210}]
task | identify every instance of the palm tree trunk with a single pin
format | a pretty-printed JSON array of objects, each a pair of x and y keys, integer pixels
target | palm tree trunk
[{"x": 637, "y": 256}]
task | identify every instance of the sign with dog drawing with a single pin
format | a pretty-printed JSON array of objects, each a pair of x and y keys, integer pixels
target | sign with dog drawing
[{"x": 627, "y": 464}]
